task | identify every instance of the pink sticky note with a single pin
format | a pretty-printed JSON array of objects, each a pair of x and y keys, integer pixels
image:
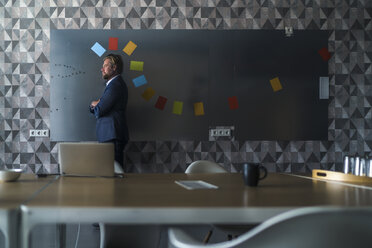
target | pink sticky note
[
  {"x": 113, "y": 43},
  {"x": 233, "y": 102},
  {"x": 160, "y": 103}
]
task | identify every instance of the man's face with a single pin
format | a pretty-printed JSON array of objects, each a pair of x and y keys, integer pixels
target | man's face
[{"x": 107, "y": 70}]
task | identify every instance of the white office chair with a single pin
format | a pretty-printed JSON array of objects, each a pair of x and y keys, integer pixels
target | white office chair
[
  {"x": 102, "y": 226},
  {"x": 305, "y": 228},
  {"x": 204, "y": 166},
  {"x": 117, "y": 168}
]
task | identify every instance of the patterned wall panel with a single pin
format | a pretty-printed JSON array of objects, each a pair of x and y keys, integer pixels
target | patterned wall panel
[{"x": 25, "y": 77}]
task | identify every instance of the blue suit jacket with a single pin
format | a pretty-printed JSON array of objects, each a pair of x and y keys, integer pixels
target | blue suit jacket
[{"x": 110, "y": 112}]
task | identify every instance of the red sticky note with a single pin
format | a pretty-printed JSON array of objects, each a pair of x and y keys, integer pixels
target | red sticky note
[
  {"x": 160, "y": 103},
  {"x": 113, "y": 43},
  {"x": 324, "y": 54},
  {"x": 233, "y": 102}
]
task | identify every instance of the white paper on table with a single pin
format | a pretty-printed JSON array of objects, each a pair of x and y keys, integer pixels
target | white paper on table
[{"x": 195, "y": 184}]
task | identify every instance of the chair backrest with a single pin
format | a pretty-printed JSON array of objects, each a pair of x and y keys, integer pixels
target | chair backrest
[
  {"x": 204, "y": 166},
  {"x": 305, "y": 228}
]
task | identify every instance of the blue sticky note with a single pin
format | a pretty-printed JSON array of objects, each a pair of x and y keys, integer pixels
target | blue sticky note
[
  {"x": 139, "y": 81},
  {"x": 98, "y": 49}
]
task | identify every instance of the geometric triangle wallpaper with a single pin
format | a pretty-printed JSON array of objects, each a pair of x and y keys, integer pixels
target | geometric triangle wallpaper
[{"x": 25, "y": 28}]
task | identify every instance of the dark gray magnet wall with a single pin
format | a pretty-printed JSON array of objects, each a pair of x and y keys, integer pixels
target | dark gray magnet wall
[{"x": 195, "y": 66}]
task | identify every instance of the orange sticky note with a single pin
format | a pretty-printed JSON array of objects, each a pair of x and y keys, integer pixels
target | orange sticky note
[
  {"x": 275, "y": 84},
  {"x": 177, "y": 107},
  {"x": 198, "y": 108},
  {"x": 129, "y": 48},
  {"x": 148, "y": 93}
]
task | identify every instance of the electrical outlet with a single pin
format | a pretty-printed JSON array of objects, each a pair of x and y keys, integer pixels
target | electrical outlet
[
  {"x": 45, "y": 133},
  {"x": 39, "y": 132},
  {"x": 220, "y": 132},
  {"x": 32, "y": 133},
  {"x": 288, "y": 31}
]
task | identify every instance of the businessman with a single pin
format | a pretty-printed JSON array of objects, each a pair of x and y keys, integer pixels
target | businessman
[{"x": 110, "y": 109}]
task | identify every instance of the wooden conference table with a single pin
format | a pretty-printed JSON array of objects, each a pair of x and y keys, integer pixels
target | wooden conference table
[
  {"x": 157, "y": 199},
  {"x": 12, "y": 195}
]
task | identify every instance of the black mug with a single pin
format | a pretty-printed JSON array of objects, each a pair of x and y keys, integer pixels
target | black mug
[{"x": 251, "y": 174}]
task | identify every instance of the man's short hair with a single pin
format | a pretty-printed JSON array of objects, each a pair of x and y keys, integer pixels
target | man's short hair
[{"x": 115, "y": 59}]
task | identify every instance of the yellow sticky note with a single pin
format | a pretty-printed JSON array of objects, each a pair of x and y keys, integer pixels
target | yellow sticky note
[
  {"x": 148, "y": 93},
  {"x": 177, "y": 107},
  {"x": 129, "y": 48},
  {"x": 275, "y": 84},
  {"x": 198, "y": 108},
  {"x": 136, "y": 65}
]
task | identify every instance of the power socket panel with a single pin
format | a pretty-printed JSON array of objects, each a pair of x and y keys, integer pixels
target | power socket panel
[
  {"x": 218, "y": 132},
  {"x": 39, "y": 132}
]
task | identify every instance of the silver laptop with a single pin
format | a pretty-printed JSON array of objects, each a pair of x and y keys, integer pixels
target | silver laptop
[{"x": 86, "y": 159}]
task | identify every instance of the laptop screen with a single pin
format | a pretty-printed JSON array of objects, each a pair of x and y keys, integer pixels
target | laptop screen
[{"x": 86, "y": 159}]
